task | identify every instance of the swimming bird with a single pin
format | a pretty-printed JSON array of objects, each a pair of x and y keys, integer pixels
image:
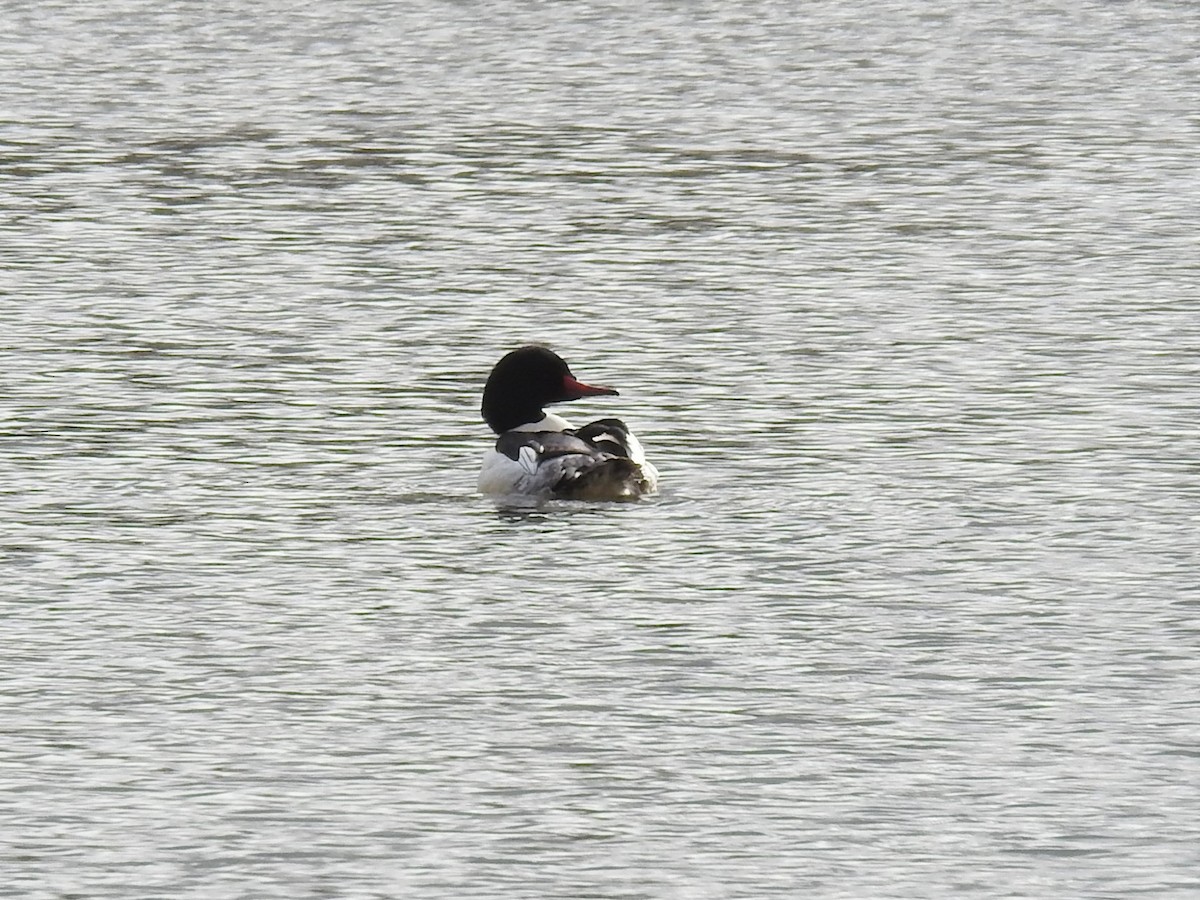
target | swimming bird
[{"x": 542, "y": 455}]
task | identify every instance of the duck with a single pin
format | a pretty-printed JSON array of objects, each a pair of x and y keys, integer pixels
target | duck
[{"x": 542, "y": 455}]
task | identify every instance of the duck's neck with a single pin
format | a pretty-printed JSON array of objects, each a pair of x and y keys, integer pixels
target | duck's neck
[
  {"x": 548, "y": 422},
  {"x": 508, "y": 416}
]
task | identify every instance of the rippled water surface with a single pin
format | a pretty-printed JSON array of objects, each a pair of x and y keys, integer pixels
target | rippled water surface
[{"x": 903, "y": 302}]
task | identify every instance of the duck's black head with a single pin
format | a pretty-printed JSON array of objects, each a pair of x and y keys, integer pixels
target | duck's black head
[{"x": 526, "y": 380}]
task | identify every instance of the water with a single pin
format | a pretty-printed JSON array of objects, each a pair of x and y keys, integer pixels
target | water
[{"x": 903, "y": 304}]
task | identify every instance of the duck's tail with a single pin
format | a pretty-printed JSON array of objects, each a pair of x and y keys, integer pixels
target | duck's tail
[{"x": 613, "y": 478}]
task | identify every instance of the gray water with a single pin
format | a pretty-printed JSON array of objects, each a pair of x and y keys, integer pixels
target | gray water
[{"x": 903, "y": 302}]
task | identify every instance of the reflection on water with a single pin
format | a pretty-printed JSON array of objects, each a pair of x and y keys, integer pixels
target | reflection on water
[{"x": 902, "y": 307}]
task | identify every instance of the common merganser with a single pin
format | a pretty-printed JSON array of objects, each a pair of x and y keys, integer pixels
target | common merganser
[{"x": 542, "y": 455}]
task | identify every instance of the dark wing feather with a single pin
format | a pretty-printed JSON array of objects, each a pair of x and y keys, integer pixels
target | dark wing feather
[
  {"x": 609, "y": 435},
  {"x": 547, "y": 444}
]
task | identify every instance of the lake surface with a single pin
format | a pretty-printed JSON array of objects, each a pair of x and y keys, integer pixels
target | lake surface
[{"x": 904, "y": 303}]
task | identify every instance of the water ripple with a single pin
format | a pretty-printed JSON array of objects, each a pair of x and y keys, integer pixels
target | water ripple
[{"x": 903, "y": 307}]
